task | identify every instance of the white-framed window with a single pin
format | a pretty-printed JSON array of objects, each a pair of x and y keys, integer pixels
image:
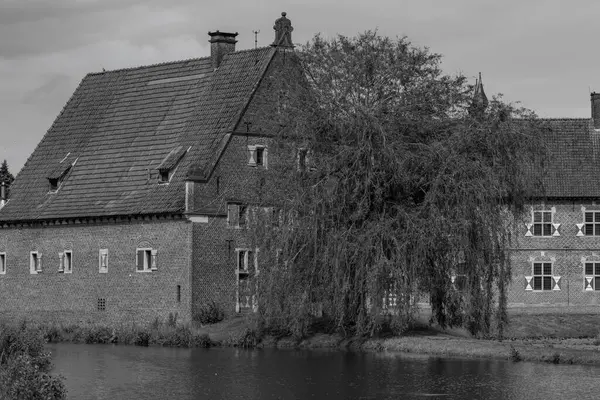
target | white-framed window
[
  {"x": 591, "y": 223},
  {"x": 146, "y": 260},
  {"x": 103, "y": 261},
  {"x": 35, "y": 262},
  {"x": 542, "y": 276},
  {"x": 258, "y": 156},
  {"x": 246, "y": 259},
  {"x": 65, "y": 259},
  {"x": 237, "y": 215},
  {"x": 591, "y": 279},
  {"x": 542, "y": 223},
  {"x": 2, "y": 263}
]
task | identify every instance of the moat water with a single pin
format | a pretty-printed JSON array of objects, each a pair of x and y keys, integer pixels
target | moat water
[{"x": 128, "y": 372}]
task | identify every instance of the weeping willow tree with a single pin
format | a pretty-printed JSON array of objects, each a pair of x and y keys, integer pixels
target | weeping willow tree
[{"x": 400, "y": 189}]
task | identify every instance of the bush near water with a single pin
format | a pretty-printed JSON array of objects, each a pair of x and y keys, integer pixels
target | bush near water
[{"x": 25, "y": 366}]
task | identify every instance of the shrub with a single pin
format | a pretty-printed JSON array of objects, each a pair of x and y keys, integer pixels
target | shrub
[
  {"x": 248, "y": 338},
  {"x": 142, "y": 338},
  {"x": 514, "y": 355},
  {"x": 172, "y": 321},
  {"x": 210, "y": 313},
  {"x": 203, "y": 341},
  {"x": 24, "y": 366},
  {"x": 100, "y": 334}
]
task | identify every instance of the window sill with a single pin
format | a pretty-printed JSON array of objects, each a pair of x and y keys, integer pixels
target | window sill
[{"x": 103, "y": 271}]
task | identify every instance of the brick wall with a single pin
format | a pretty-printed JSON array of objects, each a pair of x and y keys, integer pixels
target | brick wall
[
  {"x": 234, "y": 180},
  {"x": 565, "y": 252},
  {"x": 131, "y": 296}
]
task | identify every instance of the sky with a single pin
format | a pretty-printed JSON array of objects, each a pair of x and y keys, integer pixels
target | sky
[{"x": 538, "y": 52}]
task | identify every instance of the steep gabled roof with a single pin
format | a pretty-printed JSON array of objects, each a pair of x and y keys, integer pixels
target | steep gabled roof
[
  {"x": 573, "y": 168},
  {"x": 120, "y": 125}
]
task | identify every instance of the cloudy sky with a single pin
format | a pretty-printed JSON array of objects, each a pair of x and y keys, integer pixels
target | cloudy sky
[{"x": 540, "y": 52}]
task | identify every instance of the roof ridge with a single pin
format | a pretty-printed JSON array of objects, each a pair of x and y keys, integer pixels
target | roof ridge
[
  {"x": 149, "y": 65},
  {"x": 172, "y": 62}
]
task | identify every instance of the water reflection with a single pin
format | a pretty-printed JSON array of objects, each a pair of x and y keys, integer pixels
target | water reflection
[{"x": 124, "y": 372}]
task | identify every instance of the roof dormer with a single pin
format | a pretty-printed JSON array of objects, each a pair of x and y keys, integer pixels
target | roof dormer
[{"x": 59, "y": 173}]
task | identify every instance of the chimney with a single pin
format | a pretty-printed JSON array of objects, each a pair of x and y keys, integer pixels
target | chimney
[
  {"x": 595, "y": 99},
  {"x": 221, "y": 43},
  {"x": 2, "y": 194}
]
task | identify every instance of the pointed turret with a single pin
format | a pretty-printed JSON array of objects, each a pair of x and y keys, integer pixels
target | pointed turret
[{"x": 480, "y": 101}]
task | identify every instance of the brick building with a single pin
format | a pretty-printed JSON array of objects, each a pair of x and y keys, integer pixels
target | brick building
[
  {"x": 556, "y": 255},
  {"x": 132, "y": 205}
]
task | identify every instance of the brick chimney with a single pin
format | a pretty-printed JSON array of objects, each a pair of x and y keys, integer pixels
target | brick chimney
[
  {"x": 221, "y": 43},
  {"x": 3, "y": 195},
  {"x": 595, "y": 99}
]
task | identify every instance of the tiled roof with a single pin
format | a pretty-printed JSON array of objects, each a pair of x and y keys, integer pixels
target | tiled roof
[
  {"x": 120, "y": 125},
  {"x": 573, "y": 168}
]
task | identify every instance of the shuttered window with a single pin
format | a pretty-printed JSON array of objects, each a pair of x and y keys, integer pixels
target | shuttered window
[
  {"x": 103, "y": 261},
  {"x": 146, "y": 260}
]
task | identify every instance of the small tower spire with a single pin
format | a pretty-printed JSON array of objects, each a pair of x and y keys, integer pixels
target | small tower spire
[
  {"x": 283, "y": 32},
  {"x": 480, "y": 101}
]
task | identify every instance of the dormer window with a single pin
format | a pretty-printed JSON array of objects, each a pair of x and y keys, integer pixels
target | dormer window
[
  {"x": 163, "y": 176},
  {"x": 60, "y": 172},
  {"x": 53, "y": 184},
  {"x": 169, "y": 164}
]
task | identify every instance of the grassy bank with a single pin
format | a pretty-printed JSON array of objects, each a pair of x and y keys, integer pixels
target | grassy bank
[{"x": 571, "y": 339}]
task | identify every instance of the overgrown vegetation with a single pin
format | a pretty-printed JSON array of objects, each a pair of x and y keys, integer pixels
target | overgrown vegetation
[
  {"x": 210, "y": 313},
  {"x": 400, "y": 188},
  {"x": 25, "y": 366}
]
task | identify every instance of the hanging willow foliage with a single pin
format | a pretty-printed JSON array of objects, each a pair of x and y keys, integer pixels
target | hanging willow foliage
[{"x": 396, "y": 194}]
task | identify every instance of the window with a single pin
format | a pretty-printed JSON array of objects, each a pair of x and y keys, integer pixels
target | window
[
  {"x": 163, "y": 176},
  {"x": 592, "y": 276},
  {"x": 146, "y": 260},
  {"x": 101, "y": 304},
  {"x": 2, "y": 263},
  {"x": 542, "y": 223},
  {"x": 103, "y": 261},
  {"x": 59, "y": 172},
  {"x": 168, "y": 165},
  {"x": 542, "y": 276},
  {"x": 245, "y": 260},
  {"x": 242, "y": 216},
  {"x": 237, "y": 215},
  {"x": 258, "y": 155},
  {"x": 53, "y": 182},
  {"x": 179, "y": 293},
  {"x": 35, "y": 262},
  {"x": 459, "y": 278},
  {"x": 65, "y": 262},
  {"x": 592, "y": 224},
  {"x": 302, "y": 159}
]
